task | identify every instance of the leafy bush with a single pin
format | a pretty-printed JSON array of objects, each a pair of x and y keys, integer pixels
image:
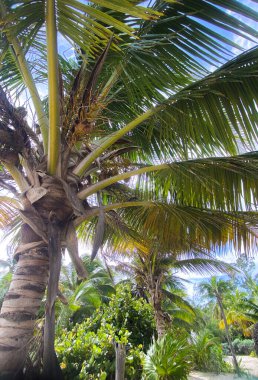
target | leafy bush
[
  {"x": 81, "y": 351},
  {"x": 87, "y": 350},
  {"x": 217, "y": 363},
  {"x": 208, "y": 354},
  {"x": 168, "y": 358},
  {"x": 243, "y": 346}
]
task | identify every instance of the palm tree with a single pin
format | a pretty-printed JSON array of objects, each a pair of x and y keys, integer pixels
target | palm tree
[
  {"x": 168, "y": 358},
  {"x": 82, "y": 298},
  {"x": 155, "y": 273},
  {"x": 214, "y": 289},
  {"x": 138, "y": 100}
]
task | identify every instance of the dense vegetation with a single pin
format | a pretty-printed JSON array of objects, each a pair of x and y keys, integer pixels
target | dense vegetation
[
  {"x": 103, "y": 314},
  {"x": 87, "y": 349}
]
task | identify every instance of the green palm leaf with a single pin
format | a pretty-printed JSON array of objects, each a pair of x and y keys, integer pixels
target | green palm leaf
[
  {"x": 212, "y": 182},
  {"x": 215, "y": 114}
]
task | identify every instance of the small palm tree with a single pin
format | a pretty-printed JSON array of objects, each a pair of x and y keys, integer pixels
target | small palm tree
[
  {"x": 137, "y": 99},
  {"x": 214, "y": 289},
  {"x": 168, "y": 358},
  {"x": 203, "y": 343},
  {"x": 155, "y": 273},
  {"x": 82, "y": 298}
]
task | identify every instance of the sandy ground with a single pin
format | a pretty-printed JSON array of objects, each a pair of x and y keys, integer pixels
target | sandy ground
[{"x": 248, "y": 364}]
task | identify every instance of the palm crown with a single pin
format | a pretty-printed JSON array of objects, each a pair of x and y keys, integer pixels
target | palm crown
[{"x": 138, "y": 102}]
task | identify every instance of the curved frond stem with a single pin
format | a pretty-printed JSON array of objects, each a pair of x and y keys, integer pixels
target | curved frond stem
[
  {"x": 95, "y": 211},
  {"x": 85, "y": 163},
  {"x": 235, "y": 171},
  {"x": 17, "y": 176},
  {"x": 54, "y": 107},
  {"x": 109, "y": 181}
]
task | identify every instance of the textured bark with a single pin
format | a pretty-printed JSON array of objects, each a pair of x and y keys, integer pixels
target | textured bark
[
  {"x": 162, "y": 320},
  {"x": 20, "y": 308},
  {"x": 255, "y": 338},
  {"x": 22, "y": 302},
  {"x": 120, "y": 361},
  {"x": 51, "y": 367},
  {"x": 162, "y": 323}
]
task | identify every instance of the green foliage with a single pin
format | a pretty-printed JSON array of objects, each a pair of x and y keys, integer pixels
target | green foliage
[
  {"x": 243, "y": 346},
  {"x": 86, "y": 296},
  {"x": 212, "y": 325},
  {"x": 84, "y": 352},
  {"x": 217, "y": 363},
  {"x": 132, "y": 314},
  {"x": 168, "y": 358},
  {"x": 208, "y": 354},
  {"x": 87, "y": 350}
]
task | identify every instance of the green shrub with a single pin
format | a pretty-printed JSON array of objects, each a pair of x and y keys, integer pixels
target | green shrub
[
  {"x": 217, "y": 363},
  {"x": 243, "y": 346},
  {"x": 84, "y": 354},
  {"x": 208, "y": 354},
  {"x": 168, "y": 358},
  {"x": 87, "y": 350}
]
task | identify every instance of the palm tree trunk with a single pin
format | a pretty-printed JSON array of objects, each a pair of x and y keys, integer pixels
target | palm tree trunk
[
  {"x": 20, "y": 308},
  {"x": 161, "y": 323},
  {"x": 161, "y": 320},
  {"x": 23, "y": 300},
  {"x": 235, "y": 363}
]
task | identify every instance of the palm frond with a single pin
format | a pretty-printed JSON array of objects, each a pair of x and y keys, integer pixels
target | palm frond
[
  {"x": 8, "y": 211},
  {"x": 226, "y": 183},
  {"x": 179, "y": 301},
  {"x": 88, "y": 26},
  {"x": 203, "y": 266},
  {"x": 173, "y": 224},
  {"x": 173, "y": 51}
]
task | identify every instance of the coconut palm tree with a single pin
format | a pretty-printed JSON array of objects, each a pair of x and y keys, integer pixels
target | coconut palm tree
[
  {"x": 214, "y": 289},
  {"x": 137, "y": 99}
]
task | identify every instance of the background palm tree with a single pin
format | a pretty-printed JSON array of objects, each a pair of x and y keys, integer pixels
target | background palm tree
[
  {"x": 151, "y": 110},
  {"x": 156, "y": 275},
  {"x": 215, "y": 289}
]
